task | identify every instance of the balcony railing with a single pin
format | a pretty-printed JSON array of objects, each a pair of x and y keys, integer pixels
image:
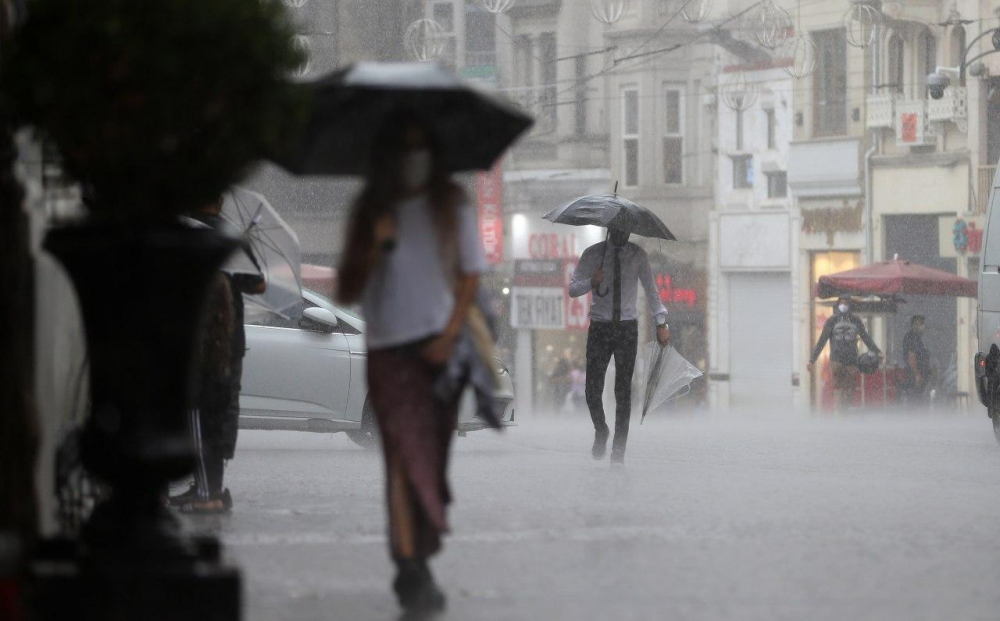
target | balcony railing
[{"x": 984, "y": 183}]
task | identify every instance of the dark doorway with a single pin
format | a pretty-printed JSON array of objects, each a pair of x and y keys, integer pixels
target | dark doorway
[{"x": 915, "y": 238}]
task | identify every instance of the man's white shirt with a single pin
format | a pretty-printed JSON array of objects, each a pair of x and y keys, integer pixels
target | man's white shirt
[{"x": 634, "y": 268}]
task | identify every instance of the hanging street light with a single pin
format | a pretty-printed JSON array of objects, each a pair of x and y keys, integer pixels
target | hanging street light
[
  {"x": 695, "y": 11},
  {"x": 801, "y": 49},
  {"x": 862, "y": 22},
  {"x": 769, "y": 25},
  {"x": 296, "y": 4},
  {"x": 802, "y": 52},
  {"x": 738, "y": 93},
  {"x": 424, "y": 39},
  {"x": 498, "y": 6},
  {"x": 608, "y": 11}
]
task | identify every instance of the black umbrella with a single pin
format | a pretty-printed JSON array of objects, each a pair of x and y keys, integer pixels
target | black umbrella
[
  {"x": 611, "y": 211},
  {"x": 349, "y": 105}
]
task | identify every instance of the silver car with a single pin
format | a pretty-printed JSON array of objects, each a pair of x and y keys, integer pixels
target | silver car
[{"x": 307, "y": 372}]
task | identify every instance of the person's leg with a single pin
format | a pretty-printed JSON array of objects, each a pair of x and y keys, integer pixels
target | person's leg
[
  {"x": 600, "y": 347},
  {"x": 626, "y": 342}
]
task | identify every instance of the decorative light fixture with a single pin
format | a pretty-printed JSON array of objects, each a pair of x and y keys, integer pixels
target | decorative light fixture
[
  {"x": 304, "y": 47},
  {"x": 801, "y": 49},
  {"x": 424, "y": 39},
  {"x": 769, "y": 25},
  {"x": 695, "y": 11},
  {"x": 738, "y": 93},
  {"x": 862, "y": 22},
  {"x": 498, "y": 6},
  {"x": 296, "y": 4},
  {"x": 608, "y": 11}
]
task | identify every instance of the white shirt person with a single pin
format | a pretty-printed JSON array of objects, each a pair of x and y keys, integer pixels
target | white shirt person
[
  {"x": 613, "y": 270},
  {"x": 634, "y": 268}
]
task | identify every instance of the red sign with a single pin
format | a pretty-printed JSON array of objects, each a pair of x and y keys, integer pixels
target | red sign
[
  {"x": 577, "y": 309},
  {"x": 668, "y": 293},
  {"x": 909, "y": 122},
  {"x": 489, "y": 191}
]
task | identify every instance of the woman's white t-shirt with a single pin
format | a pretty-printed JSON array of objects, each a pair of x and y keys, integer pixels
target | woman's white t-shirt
[{"x": 409, "y": 295}]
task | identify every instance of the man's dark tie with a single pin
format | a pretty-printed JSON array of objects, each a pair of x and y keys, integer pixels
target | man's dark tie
[{"x": 616, "y": 309}]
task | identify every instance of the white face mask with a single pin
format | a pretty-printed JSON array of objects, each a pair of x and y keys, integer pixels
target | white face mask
[
  {"x": 416, "y": 168},
  {"x": 843, "y": 308}
]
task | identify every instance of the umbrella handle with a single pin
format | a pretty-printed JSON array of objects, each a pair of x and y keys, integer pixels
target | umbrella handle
[{"x": 600, "y": 293}]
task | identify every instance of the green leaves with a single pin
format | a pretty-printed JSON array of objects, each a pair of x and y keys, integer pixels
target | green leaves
[{"x": 156, "y": 106}]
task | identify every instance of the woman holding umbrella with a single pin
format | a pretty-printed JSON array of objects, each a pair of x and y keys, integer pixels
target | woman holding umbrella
[{"x": 413, "y": 260}]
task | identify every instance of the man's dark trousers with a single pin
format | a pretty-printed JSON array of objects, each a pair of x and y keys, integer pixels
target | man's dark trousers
[{"x": 606, "y": 339}]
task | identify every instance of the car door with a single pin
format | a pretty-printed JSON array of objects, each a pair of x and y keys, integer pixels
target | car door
[
  {"x": 989, "y": 274},
  {"x": 293, "y": 371}
]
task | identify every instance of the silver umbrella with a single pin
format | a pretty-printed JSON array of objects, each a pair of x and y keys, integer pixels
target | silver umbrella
[
  {"x": 668, "y": 373},
  {"x": 611, "y": 211},
  {"x": 272, "y": 251}
]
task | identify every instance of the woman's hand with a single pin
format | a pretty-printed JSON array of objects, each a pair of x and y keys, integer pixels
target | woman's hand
[
  {"x": 385, "y": 233},
  {"x": 438, "y": 350}
]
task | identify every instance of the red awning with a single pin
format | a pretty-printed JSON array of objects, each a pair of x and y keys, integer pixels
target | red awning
[{"x": 895, "y": 278}]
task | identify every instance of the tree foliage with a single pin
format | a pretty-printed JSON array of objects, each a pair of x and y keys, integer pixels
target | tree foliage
[{"x": 155, "y": 106}]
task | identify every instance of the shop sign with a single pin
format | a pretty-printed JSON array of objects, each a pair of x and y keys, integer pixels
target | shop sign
[
  {"x": 538, "y": 308},
  {"x": 534, "y": 238},
  {"x": 542, "y": 273},
  {"x": 489, "y": 191},
  {"x": 960, "y": 236},
  {"x": 670, "y": 294}
]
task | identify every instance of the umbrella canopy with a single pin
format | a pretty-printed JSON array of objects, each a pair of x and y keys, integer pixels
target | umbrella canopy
[
  {"x": 667, "y": 374},
  {"x": 613, "y": 211},
  {"x": 895, "y": 277},
  {"x": 472, "y": 126},
  {"x": 273, "y": 251}
]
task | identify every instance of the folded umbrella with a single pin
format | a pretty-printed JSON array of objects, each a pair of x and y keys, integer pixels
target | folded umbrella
[
  {"x": 667, "y": 374},
  {"x": 472, "y": 126},
  {"x": 272, "y": 251}
]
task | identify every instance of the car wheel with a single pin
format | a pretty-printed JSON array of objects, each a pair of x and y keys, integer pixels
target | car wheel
[{"x": 367, "y": 436}]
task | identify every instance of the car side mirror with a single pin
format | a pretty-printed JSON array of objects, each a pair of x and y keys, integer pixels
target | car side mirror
[{"x": 318, "y": 320}]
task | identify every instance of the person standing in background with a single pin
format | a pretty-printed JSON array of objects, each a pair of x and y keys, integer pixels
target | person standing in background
[
  {"x": 842, "y": 330},
  {"x": 918, "y": 363}
]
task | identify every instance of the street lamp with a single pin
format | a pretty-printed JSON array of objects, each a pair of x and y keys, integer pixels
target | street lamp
[
  {"x": 425, "y": 39},
  {"x": 608, "y": 11},
  {"x": 938, "y": 81}
]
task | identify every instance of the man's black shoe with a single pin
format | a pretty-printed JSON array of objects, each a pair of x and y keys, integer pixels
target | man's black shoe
[
  {"x": 415, "y": 588},
  {"x": 600, "y": 444}
]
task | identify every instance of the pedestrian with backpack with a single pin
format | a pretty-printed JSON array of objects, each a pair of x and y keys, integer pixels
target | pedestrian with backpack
[{"x": 842, "y": 330}]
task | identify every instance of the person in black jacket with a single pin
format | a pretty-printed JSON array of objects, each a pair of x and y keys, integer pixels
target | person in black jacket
[
  {"x": 842, "y": 331},
  {"x": 918, "y": 363},
  {"x": 218, "y": 433}
]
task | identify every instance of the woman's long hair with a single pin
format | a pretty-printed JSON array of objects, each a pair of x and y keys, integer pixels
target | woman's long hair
[{"x": 382, "y": 192}]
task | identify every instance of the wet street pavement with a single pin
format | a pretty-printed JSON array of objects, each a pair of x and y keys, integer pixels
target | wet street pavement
[{"x": 712, "y": 518}]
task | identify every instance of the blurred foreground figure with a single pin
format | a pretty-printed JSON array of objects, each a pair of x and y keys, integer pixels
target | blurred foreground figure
[
  {"x": 842, "y": 330},
  {"x": 614, "y": 329},
  {"x": 413, "y": 260}
]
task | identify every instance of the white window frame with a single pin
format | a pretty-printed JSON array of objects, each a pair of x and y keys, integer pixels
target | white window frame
[
  {"x": 678, "y": 134},
  {"x": 633, "y": 136}
]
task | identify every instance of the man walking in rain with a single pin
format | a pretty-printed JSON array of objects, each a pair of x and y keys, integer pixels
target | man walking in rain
[
  {"x": 842, "y": 330},
  {"x": 614, "y": 328}
]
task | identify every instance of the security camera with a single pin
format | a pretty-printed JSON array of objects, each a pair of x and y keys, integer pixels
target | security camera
[{"x": 936, "y": 83}]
